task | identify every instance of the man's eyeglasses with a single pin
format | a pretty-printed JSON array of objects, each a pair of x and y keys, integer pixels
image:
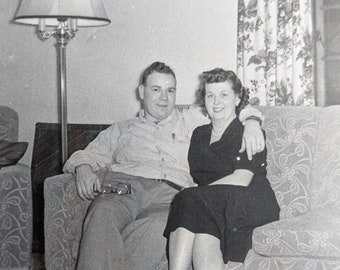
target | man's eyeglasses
[{"x": 119, "y": 188}]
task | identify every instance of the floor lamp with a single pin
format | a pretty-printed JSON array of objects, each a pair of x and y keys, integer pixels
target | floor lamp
[{"x": 61, "y": 19}]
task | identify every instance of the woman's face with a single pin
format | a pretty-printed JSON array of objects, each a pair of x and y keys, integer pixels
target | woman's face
[{"x": 220, "y": 101}]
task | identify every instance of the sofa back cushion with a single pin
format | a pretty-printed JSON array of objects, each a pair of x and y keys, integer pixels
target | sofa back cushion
[
  {"x": 291, "y": 137},
  {"x": 326, "y": 169},
  {"x": 9, "y": 124}
]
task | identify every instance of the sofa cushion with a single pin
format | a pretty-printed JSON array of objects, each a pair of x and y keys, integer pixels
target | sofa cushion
[
  {"x": 11, "y": 152},
  {"x": 9, "y": 124},
  {"x": 325, "y": 186},
  {"x": 255, "y": 262},
  {"x": 313, "y": 235}
]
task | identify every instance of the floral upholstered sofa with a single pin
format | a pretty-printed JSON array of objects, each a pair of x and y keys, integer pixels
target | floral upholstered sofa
[
  {"x": 304, "y": 171},
  {"x": 15, "y": 196}
]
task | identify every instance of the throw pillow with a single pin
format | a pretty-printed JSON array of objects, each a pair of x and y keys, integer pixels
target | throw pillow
[{"x": 11, "y": 152}]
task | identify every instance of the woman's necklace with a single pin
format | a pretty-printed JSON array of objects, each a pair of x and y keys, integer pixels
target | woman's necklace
[
  {"x": 216, "y": 135},
  {"x": 218, "y": 130}
]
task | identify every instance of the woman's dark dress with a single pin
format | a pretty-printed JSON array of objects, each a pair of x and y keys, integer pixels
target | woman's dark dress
[{"x": 227, "y": 212}]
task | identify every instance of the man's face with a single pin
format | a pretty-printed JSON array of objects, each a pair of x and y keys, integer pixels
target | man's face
[{"x": 158, "y": 95}]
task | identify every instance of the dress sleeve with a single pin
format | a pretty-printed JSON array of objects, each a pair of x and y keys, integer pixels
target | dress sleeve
[
  {"x": 98, "y": 154},
  {"x": 257, "y": 165}
]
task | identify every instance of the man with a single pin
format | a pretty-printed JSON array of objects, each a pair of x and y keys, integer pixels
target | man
[{"x": 149, "y": 152}]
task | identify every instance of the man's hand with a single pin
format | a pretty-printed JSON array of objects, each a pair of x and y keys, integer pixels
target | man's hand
[
  {"x": 87, "y": 182},
  {"x": 253, "y": 139}
]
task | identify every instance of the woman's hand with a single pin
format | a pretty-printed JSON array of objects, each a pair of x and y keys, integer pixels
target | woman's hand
[
  {"x": 87, "y": 182},
  {"x": 253, "y": 139}
]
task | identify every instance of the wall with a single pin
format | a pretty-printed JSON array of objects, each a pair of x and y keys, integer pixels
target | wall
[{"x": 104, "y": 64}]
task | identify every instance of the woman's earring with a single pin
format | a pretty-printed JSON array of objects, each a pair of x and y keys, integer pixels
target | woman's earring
[{"x": 238, "y": 100}]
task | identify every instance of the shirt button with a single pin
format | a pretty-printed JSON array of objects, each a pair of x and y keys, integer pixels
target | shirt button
[
  {"x": 162, "y": 159},
  {"x": 234, "y": 229},
  {"x": 164, "y": 175},
  {"x": 238, "y": 158}
]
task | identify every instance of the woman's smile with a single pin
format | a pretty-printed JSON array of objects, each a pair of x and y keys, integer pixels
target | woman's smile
[{"x": 218, "y": 109}]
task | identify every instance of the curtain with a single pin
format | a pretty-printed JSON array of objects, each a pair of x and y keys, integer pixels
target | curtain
[{"x": 275, "y": 51}]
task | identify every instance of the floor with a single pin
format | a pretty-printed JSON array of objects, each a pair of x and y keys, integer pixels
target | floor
[{"x": 38, "y": 262}]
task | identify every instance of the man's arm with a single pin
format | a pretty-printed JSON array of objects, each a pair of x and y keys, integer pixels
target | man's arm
[
  {"x": 253, "y": 140},
  {"x": 97, "y": 155}
]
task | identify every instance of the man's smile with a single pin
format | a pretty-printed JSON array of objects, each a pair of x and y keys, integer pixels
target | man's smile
[{"x": 162, "y": 105}]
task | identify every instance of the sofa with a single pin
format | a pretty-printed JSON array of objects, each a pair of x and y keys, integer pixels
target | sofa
[
  {"x": 304, "y": 171},
  {"x": 15, "y": 196},
  {"x": 47, "y": 161}
]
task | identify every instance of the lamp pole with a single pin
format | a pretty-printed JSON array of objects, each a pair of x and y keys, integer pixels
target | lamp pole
[
  {"x": 63, "y": 99},
  {"x": 64, "y": 32}
]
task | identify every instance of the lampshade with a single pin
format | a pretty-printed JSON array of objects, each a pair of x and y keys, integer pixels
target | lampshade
[{"x": 88, "y": 12}]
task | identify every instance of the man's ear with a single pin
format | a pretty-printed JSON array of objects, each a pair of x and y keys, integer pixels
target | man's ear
[{"x": 141, "y": 89}]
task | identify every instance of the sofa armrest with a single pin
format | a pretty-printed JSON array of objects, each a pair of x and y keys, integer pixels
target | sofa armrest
[
  {"x": 15, "y": 217},
  {"x": 64, "y": 216}
]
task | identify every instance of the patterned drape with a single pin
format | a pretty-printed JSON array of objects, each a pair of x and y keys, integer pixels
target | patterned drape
[{"x": 275, "y": 51}]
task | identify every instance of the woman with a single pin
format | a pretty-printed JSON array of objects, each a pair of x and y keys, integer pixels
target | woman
[{"x": 211, "y": 224}]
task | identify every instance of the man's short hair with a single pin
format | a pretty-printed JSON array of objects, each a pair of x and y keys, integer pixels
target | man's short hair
[{"x": 156, "y": 67}]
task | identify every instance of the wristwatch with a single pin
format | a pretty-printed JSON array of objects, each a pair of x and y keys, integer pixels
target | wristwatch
[{"x": 253, "y": 117}]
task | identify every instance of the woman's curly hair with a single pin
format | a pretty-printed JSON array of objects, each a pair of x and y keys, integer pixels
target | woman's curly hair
[{"x": 218, "y": 75}]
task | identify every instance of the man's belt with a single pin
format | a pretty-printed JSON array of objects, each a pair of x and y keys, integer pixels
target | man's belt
[{"x": 171, "y": 184}]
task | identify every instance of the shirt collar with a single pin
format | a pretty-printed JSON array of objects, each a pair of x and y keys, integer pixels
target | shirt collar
[{"x": 172, "y": 117}]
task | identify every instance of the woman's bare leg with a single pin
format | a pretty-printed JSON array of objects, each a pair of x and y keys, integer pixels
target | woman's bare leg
[
  {"x": 207, "y": 254},
  {"x": 180, "y": 249}
]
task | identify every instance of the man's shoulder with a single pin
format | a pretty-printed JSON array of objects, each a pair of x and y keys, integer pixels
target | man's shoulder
[
  {"x": 127, "y": 121},
  {"x": 123, "y": 124},
  {"x": 188, "y": 108},
  {"x": 191, "y": 111}
]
